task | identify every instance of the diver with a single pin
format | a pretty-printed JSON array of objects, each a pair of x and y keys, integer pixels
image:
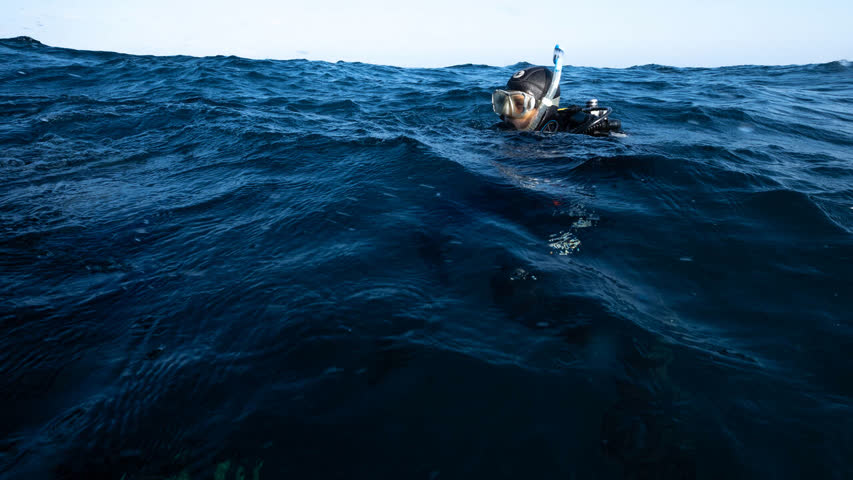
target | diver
[{"x": 531, "y": 99}]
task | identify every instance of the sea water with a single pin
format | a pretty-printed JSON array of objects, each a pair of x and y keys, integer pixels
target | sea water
[{"x": 229, "y": 268}]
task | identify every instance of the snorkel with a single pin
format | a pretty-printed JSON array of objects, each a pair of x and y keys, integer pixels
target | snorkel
[{"x": 548, "y": 99}]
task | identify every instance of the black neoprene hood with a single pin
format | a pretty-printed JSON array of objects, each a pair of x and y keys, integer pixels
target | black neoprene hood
[{"x": 533, "y": 80}]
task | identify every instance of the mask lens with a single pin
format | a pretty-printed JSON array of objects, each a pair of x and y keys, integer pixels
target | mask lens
[
  {"x": 501, "y": 103},
  {"x": 518, "y": 102},
  {"x": 511, "y": 104}
]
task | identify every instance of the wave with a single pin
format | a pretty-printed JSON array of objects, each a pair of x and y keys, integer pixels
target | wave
[{"x": 214, "y": 258}]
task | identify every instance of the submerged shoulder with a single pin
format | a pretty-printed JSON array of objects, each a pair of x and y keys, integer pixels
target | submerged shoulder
[{"x": 571, "y": 116}]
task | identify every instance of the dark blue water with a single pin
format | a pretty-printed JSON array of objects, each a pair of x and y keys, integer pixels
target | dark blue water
[{"x": 228, "y": 268}]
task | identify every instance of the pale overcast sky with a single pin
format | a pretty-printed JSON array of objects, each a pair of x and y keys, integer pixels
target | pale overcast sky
[{"x": 603, "y": 33}]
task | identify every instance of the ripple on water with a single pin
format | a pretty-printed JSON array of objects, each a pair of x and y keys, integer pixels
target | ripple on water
[{"x": 202, "y": 274}]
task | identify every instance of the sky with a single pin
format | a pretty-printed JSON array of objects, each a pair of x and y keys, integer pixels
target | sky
[{"x": 603, "y": 33}]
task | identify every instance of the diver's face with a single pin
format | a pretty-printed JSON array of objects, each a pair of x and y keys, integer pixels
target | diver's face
[{"x": 523, "y": 123}]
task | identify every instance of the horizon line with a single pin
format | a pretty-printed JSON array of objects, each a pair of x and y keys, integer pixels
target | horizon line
[{"x": 27, "y": 38}]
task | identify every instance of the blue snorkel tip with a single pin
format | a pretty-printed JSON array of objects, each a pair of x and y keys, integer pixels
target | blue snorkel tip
[{"x": 558, "y": 56}]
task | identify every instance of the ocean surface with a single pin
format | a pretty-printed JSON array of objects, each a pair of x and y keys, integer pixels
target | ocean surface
[{"x": 221, "y": 268}]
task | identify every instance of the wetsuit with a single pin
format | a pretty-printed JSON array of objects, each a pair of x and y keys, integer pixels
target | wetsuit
[{"x": 571, "y": 119}]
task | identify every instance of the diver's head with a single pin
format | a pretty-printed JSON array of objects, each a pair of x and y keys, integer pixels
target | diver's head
[{"x": 519, "y": 103}]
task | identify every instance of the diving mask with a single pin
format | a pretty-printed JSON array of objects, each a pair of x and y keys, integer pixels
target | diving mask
[{"x": 512, "y": 103}]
